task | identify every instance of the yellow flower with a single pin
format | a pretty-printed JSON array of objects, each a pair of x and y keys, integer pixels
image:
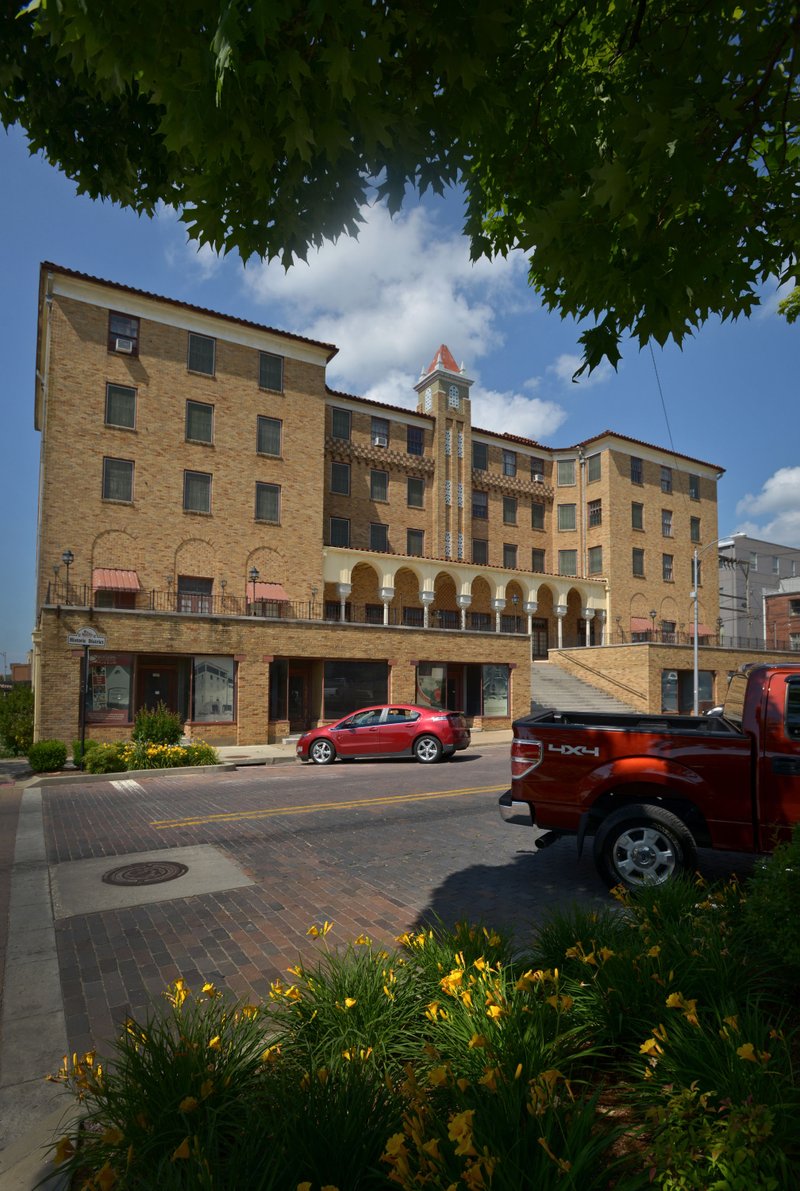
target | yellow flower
[
  {"x": 561, "y": 1163},
  {"x": 654, "y": 952},
  {"x": 605, "y": 953},
  {"x": 303, "y": 1187},
  {"x": 106, "y": 1177},
  {"x": 489, "y": 1078},
  {"x": 459, "y": 1130},
  {"x": 349, "y": 1002},
  {"x": 318, "y": 932},
  {"x": 477, "y": 1041},
  {"x": 64, "y": 1150},
  {"x": 495, "y": 1011},
  {"x": 209, "y": 990},
  {"x": 181, "y": 1151},
  {"x": 437, "y": 1076},
  {"x": 206, "y": 1088},
  {"x": 732, "y": 1021},
  {"x": 431, "y": 1148},
  {"x": 363, "y": 941},
  {"x": 650, "y": 1047},
  {"x": 188, "y": 1104},
  {"x": 215, "y": 1043}
]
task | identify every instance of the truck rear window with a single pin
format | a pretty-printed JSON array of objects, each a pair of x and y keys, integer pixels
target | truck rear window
[
  {"x": 734, "y": 699},
  {"x": 793, "y": 709}
]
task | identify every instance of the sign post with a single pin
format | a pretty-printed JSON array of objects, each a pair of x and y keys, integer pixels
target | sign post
[{"x": 87, "y": 638}]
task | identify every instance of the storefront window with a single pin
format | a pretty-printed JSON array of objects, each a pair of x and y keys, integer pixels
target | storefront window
[
  {"x": 495, "y": 690},
  {"x": 430, "y": 684},
  {"x": 108, "y": 700},
  {"x": 351, "y": 685},
  {"x": 212, "y": 690}
]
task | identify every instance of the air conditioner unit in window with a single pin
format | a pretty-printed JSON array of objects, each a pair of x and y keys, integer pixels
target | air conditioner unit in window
[
  {"x": 538, "y": 478},
  {"x": 380, "y": 440},
  {"x": 124, "y": 345}
]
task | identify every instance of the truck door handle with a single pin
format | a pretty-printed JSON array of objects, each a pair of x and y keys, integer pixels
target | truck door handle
[{"x": 786, "y": 766}]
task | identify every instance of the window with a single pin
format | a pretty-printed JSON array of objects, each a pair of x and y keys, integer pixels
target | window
[
  {"x": 537, "y": 470},
  {"x": 194, "y": 594},
  {"x": 380, "y": 432},
  {"x": 268, "y": 436},
  {"x": 594, "y": 511},
  {"x": 340, "y": 478},
  {"x": 270, "y": 372},
  {"x": 340, "y": 532},
  {"x": 415, "y": 440},
  {"x": 694, "y": 529},
  {"x": 373, "y": 613},
  {"x": 593, "y": 468},
  {"x": 568, "y": 562},
  {"x": 566, "y": 473},
  {"x": 118, "y": 479},
  {"x": 794, "y": 607},
  {"x": 666, "y": 567},
  {"x": 509, "y": 463},
  {"x": 379, "y": 537},
  {"x": 415, "y": 542},
  {"x": 202, "y": 350},
  {"x": 481, "y": 621},
  {"x": 537, "y": 515},
  {"x": 637, "y": 470},
  {"x": 199, "y": 422},
  {"x": 340, "y": 423},
  {"x": 753, "y": 561},
  {"x": 413, "y": 618},
  {"x": 197, "y": 492},
  {"x": 509, "y": 510},
  {"x": 379, "y": 485},
  {"x": 123, "y": 334},
  {"x": 480, "y": 456},
  {"x": 637, "y": 562},
  {"x": 794, "y": 641},
  {"x": 666, "y": 523},
  {"x": 538, "y": 561},
  {"x": 666, "y": 479},
  {"x": 776, "y": 565},
  {"x": 268, "y": 503},
  {"x": 637, "y": 515},
  {"x": 212, "y": 690},
  {"x": 120, "y": 406},
  {"x": 480, "y": 505},
  {"x": 509, "y": 555},
  {"x": 566, "y": 517},
  {"x": 480, "y": 552},
  {"x": 595, "y": 560},
  {"x": 694, "y": 487},
  {"x": 415, "y": 492}
]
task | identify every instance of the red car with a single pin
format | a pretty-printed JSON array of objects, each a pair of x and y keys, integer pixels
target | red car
[{"x": 393, "y": 730}]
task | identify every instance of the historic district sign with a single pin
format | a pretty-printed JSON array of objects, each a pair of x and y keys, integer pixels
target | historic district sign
[{"x": 87, "y": 637}]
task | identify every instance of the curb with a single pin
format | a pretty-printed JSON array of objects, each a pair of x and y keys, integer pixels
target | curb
[{"x": 39, "y": 782}]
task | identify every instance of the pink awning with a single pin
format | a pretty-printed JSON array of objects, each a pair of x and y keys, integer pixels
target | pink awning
[
  {"x": 268, "y": 591},
  {"x": 107, "y": 579},
  {"x": 641, "y": 624},
  {"x": 703, "y": 630}
]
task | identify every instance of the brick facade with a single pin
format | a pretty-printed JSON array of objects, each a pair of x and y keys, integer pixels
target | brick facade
[{"x": 383, "y": 533}]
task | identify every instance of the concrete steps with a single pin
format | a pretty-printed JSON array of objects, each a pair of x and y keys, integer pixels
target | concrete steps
[{"x": 553, "y": 687}]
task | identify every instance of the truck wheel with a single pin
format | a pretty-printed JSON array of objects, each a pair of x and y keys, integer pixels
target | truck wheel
[{"x": 643, "y": 845}]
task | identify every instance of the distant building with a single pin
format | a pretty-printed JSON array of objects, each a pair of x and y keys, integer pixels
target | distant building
[
  {"x": 782, "y": 616},
  {"x": 751, "y": 569},
  {"x": 21, "y": 673}
]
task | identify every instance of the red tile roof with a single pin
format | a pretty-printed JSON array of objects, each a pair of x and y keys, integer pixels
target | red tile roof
[{"x": 443, "y": 359}]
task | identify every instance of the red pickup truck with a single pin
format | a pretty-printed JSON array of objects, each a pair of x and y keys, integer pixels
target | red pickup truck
[{"x": 651, "y": 789}]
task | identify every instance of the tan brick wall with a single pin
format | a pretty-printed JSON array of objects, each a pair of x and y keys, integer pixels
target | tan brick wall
[{"x": 252, "y": 640}]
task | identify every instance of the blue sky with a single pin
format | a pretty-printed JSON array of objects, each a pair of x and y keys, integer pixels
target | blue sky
[{"x": 388, "y": 300}]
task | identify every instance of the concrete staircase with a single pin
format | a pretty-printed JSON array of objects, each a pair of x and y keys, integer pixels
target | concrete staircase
[{"x": 553, "y": 687}]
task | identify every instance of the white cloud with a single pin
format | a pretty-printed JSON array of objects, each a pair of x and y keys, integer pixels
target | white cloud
[
  {"x": 771, "y": 294},
  {"x": 567, "y": 365},
  {"x": 201, "y": 262},
  {"x": 511, "y": 413},
  {"x": 773, "y": 514}
]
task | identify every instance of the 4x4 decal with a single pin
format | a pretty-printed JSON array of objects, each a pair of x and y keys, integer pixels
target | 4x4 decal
[{"x": 573, "y": 750}]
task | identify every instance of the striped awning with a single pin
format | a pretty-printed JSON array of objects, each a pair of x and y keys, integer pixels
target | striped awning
[
  {"x": 703, "y": 630},
  {"x": 641, "y": 624},
  {"x": 108, "y": 579},
  {"x": 269, "y": 591}
]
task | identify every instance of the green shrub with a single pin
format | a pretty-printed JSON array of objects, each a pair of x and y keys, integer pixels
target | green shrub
[
  {"x": 771, "y": 918},
  {"x": 79, "y": 750},
  {"x": 200, "y": 753},
  {"x": 16, "y": 720},
  {"x": 46, "y": 756},
  {"x": 159, "y": 725},
  {"x": 105, "y": 758}
]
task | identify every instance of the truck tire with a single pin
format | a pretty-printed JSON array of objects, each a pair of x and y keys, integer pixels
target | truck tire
[{"x": 643, "y": 845}]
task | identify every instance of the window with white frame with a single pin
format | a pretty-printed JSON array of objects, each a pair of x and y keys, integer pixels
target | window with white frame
[
  {"x": 694, "y": 529},
  {"x": 270, "y": 372},
  {"x": 202, "y": 353},
  {"x": 380, "y": 432},
  {"x": 537, "y": 470},
  {"x": 637, "y": 562},
  {"x": 509, "y": 510},
  {"x": 595, "y": 560},
  {"x": 565, "y": 473},
  {"x": 666, "y": 523},
  {"x": 415, "y": 440},
  {"x": 666, "y": 479},
  {"x": 268, "y": 436},
  {"x": 123, "y": 334},
  {"x": 566, "y": 517},
  {"x": 268, "y": 503},
  {"x": 197, "y": 492},
  {"x": 199, "y": 422},
  {"x": 593, "y": 468},
  {"x": 637, "y": 470},
  {"x": 594, "y": 511},
  {"x": 568, "y": 562},
  {"x": 694, "y": 487},
  {"x": 118, "y": 480},
  {"x": 509, "y": 463},
  {"x": 667, "y": 561},
  {"x": 120, "y": 406}
]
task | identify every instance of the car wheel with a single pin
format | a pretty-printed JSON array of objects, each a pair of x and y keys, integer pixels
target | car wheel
[
  {"x": 427, "y": 749},
  {"x": 643, "y": 845},
  {"x": 322, "y": 752}
]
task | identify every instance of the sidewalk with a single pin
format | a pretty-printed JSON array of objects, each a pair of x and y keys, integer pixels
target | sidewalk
[{"x": 33, "y": 1022}]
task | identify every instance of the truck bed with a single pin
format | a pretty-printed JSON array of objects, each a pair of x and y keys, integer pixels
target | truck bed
[{"x": 680, "y": 725}]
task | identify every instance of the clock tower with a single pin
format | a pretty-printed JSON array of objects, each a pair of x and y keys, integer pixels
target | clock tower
[{"x": 443, "y": 392}]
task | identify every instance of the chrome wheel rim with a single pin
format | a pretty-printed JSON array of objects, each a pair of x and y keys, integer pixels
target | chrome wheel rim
[
  {"x": 644, "y": 855},
  {"x": 427, "y": 750}
]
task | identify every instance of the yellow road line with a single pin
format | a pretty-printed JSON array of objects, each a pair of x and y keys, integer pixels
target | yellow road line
[{"x": 308, "y": 808}]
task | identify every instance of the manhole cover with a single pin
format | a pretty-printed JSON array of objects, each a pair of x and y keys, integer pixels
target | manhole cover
[{"x": 145, "y": 872}]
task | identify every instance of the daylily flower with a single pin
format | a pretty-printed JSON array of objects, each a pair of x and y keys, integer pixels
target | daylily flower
[
  {"x": 188, "y": 1104},
  {"x": 477, "y": 1040},
  {"x": 106, "y": 1177},
  {"x": 459, "y": 1130},
  {"x": 181, "y": 1151},
  {"x": 349, "y": 1002},
  {"x": 64, "y": 1150},
  {"x": 363, "y": 941}
]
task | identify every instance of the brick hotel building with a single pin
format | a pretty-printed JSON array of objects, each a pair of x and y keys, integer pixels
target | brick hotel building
[{"x": 264, "y": 553}]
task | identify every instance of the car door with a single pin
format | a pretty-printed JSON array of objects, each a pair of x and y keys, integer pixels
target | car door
[
  {"x": 359, "y": 734},
  {"x": 398, "y": 730}
]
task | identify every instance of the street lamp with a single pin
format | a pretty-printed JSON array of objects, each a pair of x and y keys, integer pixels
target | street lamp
[
  {"x": 253, "y": 576},
  {"x": 653, "y": 615},
  {"x": 67, "y": 558},
  {"x": 721, "y": 544}
]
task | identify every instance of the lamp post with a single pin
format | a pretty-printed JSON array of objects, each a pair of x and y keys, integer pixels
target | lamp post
[
  {"x": 253, "y": 576},
  {"x": 653, "y": 615},
  {"x": 720, "y": 543},
  {"x": 67, "y": 558}
]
